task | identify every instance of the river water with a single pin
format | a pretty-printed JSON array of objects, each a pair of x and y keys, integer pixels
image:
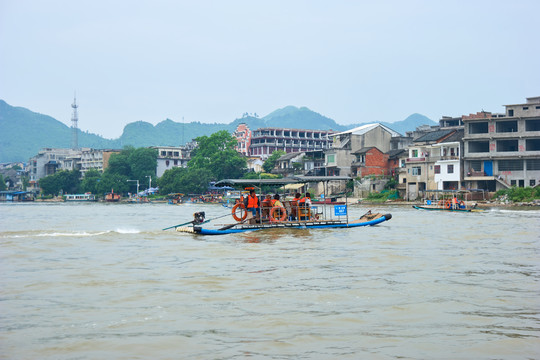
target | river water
[{"x": 104, "y": 281}]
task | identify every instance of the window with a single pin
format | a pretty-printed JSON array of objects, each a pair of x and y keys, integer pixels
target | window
[
  {"x": 532, "y": 125},
  {"x": 513, "y": 182},
  {"x": 511, "y": 112},
  {"x": 507, "y": 145},
  {"x": 533, "y": 164},
  {"x": 415, "y": 153},
  {"x": 532, "y": 182},
  {"x": 532, "y": 144},
  {"x": 507, "y": 126},
  {"x": 450, "y": 169},
  {"x": 525, "y": 108},
  {"x": 478, "y": 146},
  {"x": 437, "y": 169},
  {"x": 478, "y": 128},
  {"x": 416, "y": 170},
  {"x": 510, "y": 165},
  {"x": 476, "y": 165},
  {"x": 330, "y": 159},
  {"x": 404, "y": 180}
]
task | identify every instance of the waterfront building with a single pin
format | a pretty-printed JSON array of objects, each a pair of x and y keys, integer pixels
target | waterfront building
[
  {"x": 96, "y": 159},
  {"x": 433, "y": 163},
  {"x": 264, "y": 141},
  {"x": 50, "y": 160},
  {"x": 340, "y": 157},
  {"x": 243, "y": 139},
  {"x": 503, "y": 150},
  {"x": 173, "y": 156}
]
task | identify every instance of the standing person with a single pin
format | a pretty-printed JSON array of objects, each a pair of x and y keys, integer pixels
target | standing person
[{"x": 252, "y": 202}]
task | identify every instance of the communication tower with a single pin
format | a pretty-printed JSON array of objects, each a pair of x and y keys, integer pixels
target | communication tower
[{"x": 74, "y": 128}]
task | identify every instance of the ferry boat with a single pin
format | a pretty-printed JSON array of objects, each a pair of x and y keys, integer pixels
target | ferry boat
[
  {"x": 80, "y": 197},
  {"x": 289, "y": 215},
  {"x": 447, "y": 200}
]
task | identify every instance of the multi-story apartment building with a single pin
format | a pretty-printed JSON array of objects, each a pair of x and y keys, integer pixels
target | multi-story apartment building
[
  {"x": 95, "y": 159},
  {"x": 173, "y": 156},
  {"x": 243, "y": 139},
  {"x": 502, "y": 150},
  {"x": 265, "y": 141},
  {"x": 49, "y": 160}
]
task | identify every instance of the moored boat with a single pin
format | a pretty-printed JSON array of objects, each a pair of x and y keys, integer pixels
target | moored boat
[
  {"x": 112, "y": 197},
  {"x": 80, "y": 197}
]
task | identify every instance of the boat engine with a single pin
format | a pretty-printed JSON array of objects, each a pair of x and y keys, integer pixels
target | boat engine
[{"x": 198, "y": 218}]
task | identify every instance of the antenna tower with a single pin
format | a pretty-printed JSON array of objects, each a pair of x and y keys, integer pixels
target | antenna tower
[{"x": 74, "y": 127}]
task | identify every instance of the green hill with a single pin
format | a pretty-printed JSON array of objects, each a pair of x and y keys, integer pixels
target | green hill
[{"x": 23, "y": 132}]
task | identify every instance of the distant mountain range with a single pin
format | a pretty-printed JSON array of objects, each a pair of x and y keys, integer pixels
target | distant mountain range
[{"x": 23, "y": 132}]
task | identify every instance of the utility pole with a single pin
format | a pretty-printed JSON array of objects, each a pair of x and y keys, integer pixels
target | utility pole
[{"x": 74, "y": 126}]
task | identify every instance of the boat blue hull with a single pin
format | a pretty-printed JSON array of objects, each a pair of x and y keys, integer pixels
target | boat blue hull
[{"x": 203, "y": 231}]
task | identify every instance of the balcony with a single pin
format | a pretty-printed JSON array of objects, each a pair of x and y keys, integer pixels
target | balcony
[{"x": 416, "y": 159}]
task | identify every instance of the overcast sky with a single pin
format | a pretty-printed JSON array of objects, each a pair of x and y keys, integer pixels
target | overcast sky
[{"x": 212, "y": 61}]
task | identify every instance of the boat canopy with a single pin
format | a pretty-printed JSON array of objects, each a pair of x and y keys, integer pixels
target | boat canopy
[{"x": 282, "y": 181}]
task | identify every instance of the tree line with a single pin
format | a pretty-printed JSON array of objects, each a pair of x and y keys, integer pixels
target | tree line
[{"x": 214, "y": 158}]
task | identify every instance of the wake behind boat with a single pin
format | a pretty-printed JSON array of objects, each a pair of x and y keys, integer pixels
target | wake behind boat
[{"x": 293, "y": 214}]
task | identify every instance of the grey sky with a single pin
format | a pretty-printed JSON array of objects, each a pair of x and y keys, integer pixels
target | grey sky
[{"x": 211, "y": 61}]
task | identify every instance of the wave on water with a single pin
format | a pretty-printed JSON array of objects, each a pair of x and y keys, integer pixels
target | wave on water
[{"x": 45, "y": 233}]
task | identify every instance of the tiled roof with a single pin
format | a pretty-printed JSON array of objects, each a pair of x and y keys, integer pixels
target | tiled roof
[
  {"x": 433, "y": 135},
  {"x": 365, "y": 128}
]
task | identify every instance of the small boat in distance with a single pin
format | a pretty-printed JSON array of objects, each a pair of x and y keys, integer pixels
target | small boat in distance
[
  {"x": 112, "y": 197},
  {"x": 447, "y": 200},
  {"x": 80, "y": 197}
]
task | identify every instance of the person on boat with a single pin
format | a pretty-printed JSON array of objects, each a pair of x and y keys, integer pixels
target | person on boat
[
  {"x": 276, "y": 202},
  {"x": 455, "y": 204},
  {"x": 294, "y": 206},
  {"x": 266, "y": 206},
  {"x": 304, "y": 205},
  {"x": 305, "y": 201},
  {"x": 252, "y": 202}
]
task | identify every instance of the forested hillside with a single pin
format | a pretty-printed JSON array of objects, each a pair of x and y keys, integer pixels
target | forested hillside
[{"x": 23, "y": 132}]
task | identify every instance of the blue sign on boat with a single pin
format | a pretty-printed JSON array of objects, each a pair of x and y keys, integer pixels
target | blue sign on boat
[{"x": 340, "y": 210}]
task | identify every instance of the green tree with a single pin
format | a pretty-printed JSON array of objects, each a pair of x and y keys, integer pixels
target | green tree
[
  {"x": 270, "y": 163},
  {"x": 90, "y": 182},
  {"x": 2, "y": 183},
  {"x": 185, "y": 180},
  {"x": 67, "y": 181},
  {"x": 110, "y": 181},
  {"x": 171, "y": 181},
  {"x": 119, "y": 164},
  {"x": 143, "y": 163},
  {"x": 216, "y": 154},
  {"x": 134, "y": 164}
]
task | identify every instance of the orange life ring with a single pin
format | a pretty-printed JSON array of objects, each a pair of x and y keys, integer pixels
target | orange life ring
[
  {"x": 440, "y": 203},
  {"x": 448, "y": 204},
  {"x": 243, "y": 212},
  {"x": 275, "y": 209},
  {"x": 462, "y": 204}
]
